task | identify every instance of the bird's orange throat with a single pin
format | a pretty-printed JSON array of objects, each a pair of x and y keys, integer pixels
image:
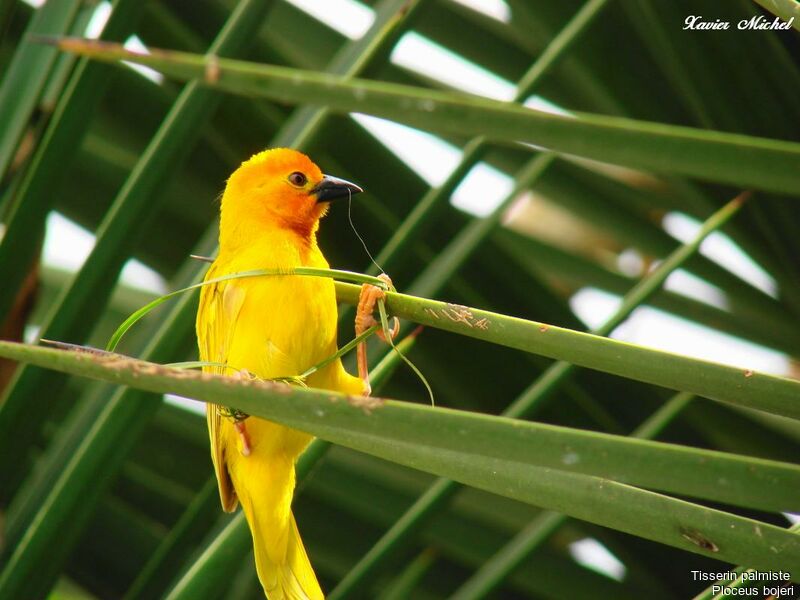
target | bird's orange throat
[
  {"x": 261, "y": 223},
  {"x": 304, "y": 225}
]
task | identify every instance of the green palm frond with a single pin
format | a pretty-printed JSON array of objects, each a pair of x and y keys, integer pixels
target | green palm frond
[{"x": 602, "y": 124}]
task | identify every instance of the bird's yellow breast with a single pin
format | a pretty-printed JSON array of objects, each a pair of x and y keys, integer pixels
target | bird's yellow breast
[{"x": 279, "y": 325}]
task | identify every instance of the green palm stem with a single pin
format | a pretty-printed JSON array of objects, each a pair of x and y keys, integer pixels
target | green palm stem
[
  {"x": 553, "y": 467},
  {"x": 740, "y": 160},
  {"x": 406, "y": 582},
  {"x": 32, "y": 199},
  {"x": 784, "y": 9},
  {"x": 27, "y": 75},
  {"x": 537, "y": 258}
]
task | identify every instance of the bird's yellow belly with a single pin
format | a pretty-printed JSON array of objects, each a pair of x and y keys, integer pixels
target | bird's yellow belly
[{"x": 285, "y": 326}]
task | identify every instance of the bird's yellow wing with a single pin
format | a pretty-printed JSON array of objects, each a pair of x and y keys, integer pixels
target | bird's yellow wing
[{"x": 219, "y": 308}]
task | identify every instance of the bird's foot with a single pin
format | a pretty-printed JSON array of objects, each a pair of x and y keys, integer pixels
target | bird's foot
[
  {"x": 244, "y": 438},
  {"x": 239, "y": 418},
  {"x": 370, "y": 294}
]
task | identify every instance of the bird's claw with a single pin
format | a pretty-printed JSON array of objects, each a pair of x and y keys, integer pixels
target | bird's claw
[{"x": 370, "y": 294}]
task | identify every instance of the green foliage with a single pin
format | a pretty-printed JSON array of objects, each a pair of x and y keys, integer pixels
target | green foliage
[{"x": 107, "y": 491}]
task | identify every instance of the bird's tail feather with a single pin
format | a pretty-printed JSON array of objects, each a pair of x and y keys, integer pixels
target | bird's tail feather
[{"x": 293, "y": 577}]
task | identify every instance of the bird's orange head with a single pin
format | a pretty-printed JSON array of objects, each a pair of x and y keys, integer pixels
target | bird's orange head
[{"x": 279, "y": 188}]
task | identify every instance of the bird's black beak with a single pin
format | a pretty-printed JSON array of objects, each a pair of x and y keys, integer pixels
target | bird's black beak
[{"x": 331, "y": 188}]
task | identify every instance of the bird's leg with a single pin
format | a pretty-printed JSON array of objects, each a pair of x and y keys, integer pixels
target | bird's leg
[
  {"x": 241, "y": 429},
  {"x": 239, "y": 418},
  {"x": 370, "y": 294}
]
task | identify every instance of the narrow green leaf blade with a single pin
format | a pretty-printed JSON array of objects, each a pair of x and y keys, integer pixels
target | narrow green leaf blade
[
  {"x": 786, "y": 10},
  {"x": 744, "y": 387},
  {"x": 712, "y": 155},
  {"x": 490, "y": 453},
  {"x": 27, "y": 74}
]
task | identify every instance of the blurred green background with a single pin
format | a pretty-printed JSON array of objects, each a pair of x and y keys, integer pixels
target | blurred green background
[{"x": 110, "y": 179}]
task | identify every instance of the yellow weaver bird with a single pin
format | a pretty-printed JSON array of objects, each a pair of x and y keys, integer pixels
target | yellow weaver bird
[{"x": 270, "y": 327}]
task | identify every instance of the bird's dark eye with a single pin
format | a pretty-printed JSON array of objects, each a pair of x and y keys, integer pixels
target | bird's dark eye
[{"x": 298, "y": 179}]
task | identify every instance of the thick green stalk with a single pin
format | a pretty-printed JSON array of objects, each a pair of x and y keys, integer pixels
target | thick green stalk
[
  {"x": 541, "y": 464},
  {"x": 27, "y": 75},
  {"x": 743, "y": 387},
  {"x": 783, "y": 9},
  {"x": 739, "y": 386},
  {"x": 167, "y": 559},
  {"x": 31, "y": 201},
  {"x": 711, "y": 155}
]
